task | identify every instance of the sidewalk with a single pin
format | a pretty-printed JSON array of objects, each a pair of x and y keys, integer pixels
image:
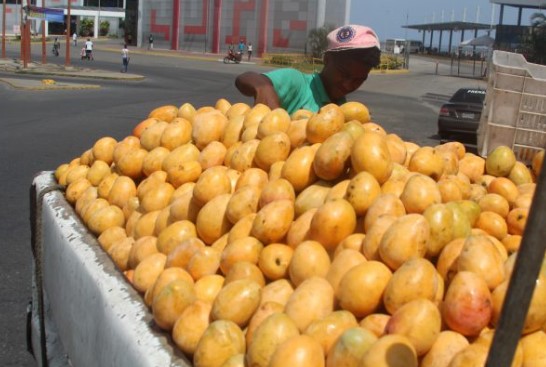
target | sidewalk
[
  {"x": 49, "y": 71},
  {"x": 417, "y": 77}
]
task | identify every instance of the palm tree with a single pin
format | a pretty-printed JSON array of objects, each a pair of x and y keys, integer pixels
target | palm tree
[
  {"x": 536, "y": 42},
  {"x": 317, "y": 40}
]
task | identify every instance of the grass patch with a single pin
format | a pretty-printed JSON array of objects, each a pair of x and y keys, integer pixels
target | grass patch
[{"x": 309, "y": 64}]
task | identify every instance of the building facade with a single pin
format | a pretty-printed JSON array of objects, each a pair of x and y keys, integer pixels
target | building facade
[
  {"x": 212, "y": 25},
  {"x": 109, "y": 11}
]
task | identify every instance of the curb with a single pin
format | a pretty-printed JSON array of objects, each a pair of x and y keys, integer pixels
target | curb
[
  {"x": 17, "y": 84},
  {"x": 77, "y": 74}
]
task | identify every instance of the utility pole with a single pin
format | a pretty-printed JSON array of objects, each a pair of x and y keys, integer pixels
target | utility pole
[
  {"x": 44, "y": 51},
  {"x": 25, "y": 36},
  {"x": 68, "y": 21},
  {"x": 4, "y": 29},
  {"x": 98, "y": 21}
]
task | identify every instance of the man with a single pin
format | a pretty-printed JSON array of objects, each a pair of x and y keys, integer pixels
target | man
[
  {"x": 151, "y": 42},
  {"x": 89, "y": 49},
  {"x": 353, "y": 51},
  {"x": 75, "y": 39},
  {"x": 249, "y": 50}
]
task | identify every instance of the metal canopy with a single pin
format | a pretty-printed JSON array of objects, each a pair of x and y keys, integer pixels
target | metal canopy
[
  {"x": 449, "y": 26},
  {"x": 529, "y": 4}
]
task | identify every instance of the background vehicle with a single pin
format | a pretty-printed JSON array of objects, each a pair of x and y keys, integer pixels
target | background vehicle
[
  {"x": 395, "y": 45},
  {"x": 459, "y": 118},
  {"x": 233, "y": 57},
  {"x": 416, "y": 47}
]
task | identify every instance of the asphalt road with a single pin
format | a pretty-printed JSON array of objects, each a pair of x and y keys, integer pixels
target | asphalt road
[{"x": 41, "y": 130}]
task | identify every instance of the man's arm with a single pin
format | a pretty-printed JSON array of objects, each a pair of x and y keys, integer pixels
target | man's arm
[{"x": 259, "y": 86}]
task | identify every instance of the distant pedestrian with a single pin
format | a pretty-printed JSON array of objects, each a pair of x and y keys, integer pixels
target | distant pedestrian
[
  {"x": 75, "y": 39},
  {"x": 249, "y": 50},
  {"x": 125, "y": 58},
  {"x": 151, "y": 42},
  {"x": 89, "y": 49},
  {"x": 241, "y": 47},
  {"x": 56, "y": 47}
]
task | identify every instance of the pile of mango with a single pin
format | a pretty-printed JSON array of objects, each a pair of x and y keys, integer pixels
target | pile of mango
[{"x": 259, "y": 238}]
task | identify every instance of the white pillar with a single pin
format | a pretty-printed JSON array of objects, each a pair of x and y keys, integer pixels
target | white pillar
[
  {"x": 321, "y": 12},
  {"x": 96, "y": 27}
]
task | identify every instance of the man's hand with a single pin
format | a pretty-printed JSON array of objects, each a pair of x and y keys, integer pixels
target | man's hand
[{"x": 258, "y": 86}]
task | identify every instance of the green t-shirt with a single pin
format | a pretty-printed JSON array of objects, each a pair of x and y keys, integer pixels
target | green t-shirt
[{"x": 297, "y": 90}]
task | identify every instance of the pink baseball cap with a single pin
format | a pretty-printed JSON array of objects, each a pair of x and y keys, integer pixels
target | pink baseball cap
[{"x": 352, "y": 37}]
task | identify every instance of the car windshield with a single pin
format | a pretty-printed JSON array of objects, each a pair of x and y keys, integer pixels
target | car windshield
[{"x": 469, "y": 96}]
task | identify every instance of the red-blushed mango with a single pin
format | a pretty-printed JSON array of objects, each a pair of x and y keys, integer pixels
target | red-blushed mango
[{"x": 467, "y": 306}]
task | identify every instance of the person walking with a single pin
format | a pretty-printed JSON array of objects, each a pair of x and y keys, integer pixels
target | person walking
[
  {"x": 75, "y": 39},
  {"x": 241, "y": 46},
  {"x": 125, "y": 58},
  {"x": 56, "y": 47},
  {"x": 249, "y": 50},
  {"x": 151, "y": 42},
  {"x": 89, "y": 49}
]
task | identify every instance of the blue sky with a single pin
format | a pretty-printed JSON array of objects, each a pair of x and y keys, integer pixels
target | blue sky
[{"x": 387, "y": 17}]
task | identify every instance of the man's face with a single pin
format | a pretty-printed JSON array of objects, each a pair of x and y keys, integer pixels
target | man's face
[{"x": 342, "y": 75}]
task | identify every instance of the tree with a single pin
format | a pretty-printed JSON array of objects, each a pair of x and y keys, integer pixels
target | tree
[
  {"x": 535, "y": 43},
  {"x": 86, "y": 27},
  {"x": 104, "y": 28},
  {"x": 317, "y": 40}
]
